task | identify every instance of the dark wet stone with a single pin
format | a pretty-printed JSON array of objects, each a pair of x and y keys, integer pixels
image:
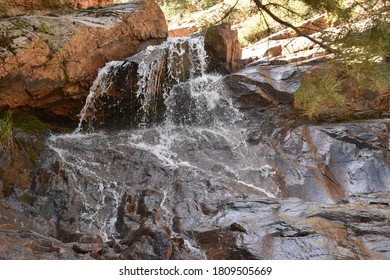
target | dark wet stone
[{"x": 88, "y": 247}]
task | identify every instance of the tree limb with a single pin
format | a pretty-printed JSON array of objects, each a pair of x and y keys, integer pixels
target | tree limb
[
  {"x": 227, "y": 13},
  {"x": 263, "y": 7}
]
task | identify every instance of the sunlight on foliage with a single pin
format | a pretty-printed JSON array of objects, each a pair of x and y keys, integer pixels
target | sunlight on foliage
[
  {"x": 320, "y": 90},
  {"x": 6, "y": 136},
  {"x": 325, "y": 92},
  {"x": 370, "y": 76}
]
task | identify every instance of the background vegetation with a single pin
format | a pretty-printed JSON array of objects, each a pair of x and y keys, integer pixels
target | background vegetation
[{"x": 355, "y": 82}]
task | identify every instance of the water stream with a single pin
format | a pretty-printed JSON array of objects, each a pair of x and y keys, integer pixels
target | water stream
[
  {"x": 202, "y": 134},
  {"x": 164, "y": 164}
]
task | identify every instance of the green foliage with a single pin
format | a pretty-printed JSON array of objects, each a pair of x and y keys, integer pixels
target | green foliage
[
  {"x": 51, "y": 3},
  {"x": 33, "y": 126},
  {"x": 253, "y": 30},
  {"x": 29, "y": 124},
  {"x": 204, "y": 4},
  {"x": 370, "y": 43},
  {"x": 6, "y": 136},
  {"x": 174, "y": 14},
  {"x": 178, "y": 10},
  {"x": 20, "y": 25},
  {"x": 369, "y": 76},
  {"x": 25, "y": 198},
  {"x": 44, "y": 28},
  {"x": 338, "y": 90},
  {"x": 324, "y": 5},
  {"x": 3, "y": 9},
  {"x": 7, "y": 189},
  {"x": 320, "y": 91},
  {"x": 191, "y": 5},
  {"x": 9, "y": 145}
]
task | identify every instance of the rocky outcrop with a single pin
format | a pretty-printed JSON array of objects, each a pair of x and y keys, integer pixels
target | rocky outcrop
[
  {"x": 266, "y": 84},
  {"x": 50, "y": 62},
  {"x": 223, "y": 48},
  {"x": 12, "y": 7},
  {"x": 259, "y": 186},
  {"x": 321, "y": 191},
  {"x": 25, "y": 237}
]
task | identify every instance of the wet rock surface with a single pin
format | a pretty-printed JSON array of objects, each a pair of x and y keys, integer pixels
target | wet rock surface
[
  {"x": 252, "y": 190},
  {"x": 226, "y": 173},
  {"x": 133, "y": 91},
  {"x": 263, "y": 84},
  {"x": 25, "y": 235}
]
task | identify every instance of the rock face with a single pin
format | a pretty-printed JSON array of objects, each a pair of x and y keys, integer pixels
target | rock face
[
  {"x": 225, "y": 174},
  {"x": 309, "y": 192},
  {"x": 11, "y": 7},
  {"x": 265, "y": 84},
  {"x": 50, "y": 62},
  {"x": 25, "y": 237},
  {"x": 223, "y": 49},
  {"x": 210, "y": 182}
]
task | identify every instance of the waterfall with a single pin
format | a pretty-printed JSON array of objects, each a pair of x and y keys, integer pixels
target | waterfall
[
  {"x": 198, "y": 135},
  {"x": 158, "y": 69},
  {"x": 164, "y": 166}
]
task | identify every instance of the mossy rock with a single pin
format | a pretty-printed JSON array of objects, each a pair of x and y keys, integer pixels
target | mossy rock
[
  {"x": 3, "y": 10},
  {"x": 26, "y": 198},
  {"x": 30, "y": 124},
  {"x": 51, "y": 4},
  {"x": 7, "y": 189},
  {"x": 27, "y": 136},
  {"x": 48, "y": 210}
]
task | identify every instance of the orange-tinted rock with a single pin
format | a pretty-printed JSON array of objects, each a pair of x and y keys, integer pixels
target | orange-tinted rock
[
  {"x": 49, "y": 62},
  {"x": 182, "y": 31},
  {"x": 90, "y": 239},
  {"x": 11, "y": 7},
  {"x": 223, "y": 48},
  {"x": 28, "y": 245},
  {"x": 88, "y": 247}
]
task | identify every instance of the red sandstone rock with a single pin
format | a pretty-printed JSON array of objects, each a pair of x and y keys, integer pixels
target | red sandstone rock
[
  {"x": 223, "y": 48},
  {"x": 11, "y": 7},
  {"x": 49, "y": 62}
]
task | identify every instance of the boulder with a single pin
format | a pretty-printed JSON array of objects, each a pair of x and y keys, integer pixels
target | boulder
[
  {"x": 264, "y": 84},
  {"x": 49, "y": 62},
  {"x": 28, "y": 236},
  {"x": 12, "y": 7},
  {"x": 223, "y": 48},
  {"x": 28, "y": 245}
]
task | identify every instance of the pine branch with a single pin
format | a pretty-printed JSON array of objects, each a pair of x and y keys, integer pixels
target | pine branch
[
  {"x": 227, "y": 13},
  {"x": 263, "y": 7}
]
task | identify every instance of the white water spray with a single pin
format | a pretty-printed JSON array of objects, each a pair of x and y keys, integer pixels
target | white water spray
[{"x": 199, "y": 134}]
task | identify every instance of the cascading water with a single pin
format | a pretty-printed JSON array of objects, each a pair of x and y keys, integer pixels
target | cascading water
[
  {"x": 164, "y": 167},
  {"x": 199, "y": 142},
  {"x": 139, "y": 85}
]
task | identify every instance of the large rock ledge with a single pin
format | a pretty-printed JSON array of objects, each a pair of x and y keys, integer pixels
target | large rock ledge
[
  {"x": 13, "y": 7},
  {"x": 49, "y": 62}
]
